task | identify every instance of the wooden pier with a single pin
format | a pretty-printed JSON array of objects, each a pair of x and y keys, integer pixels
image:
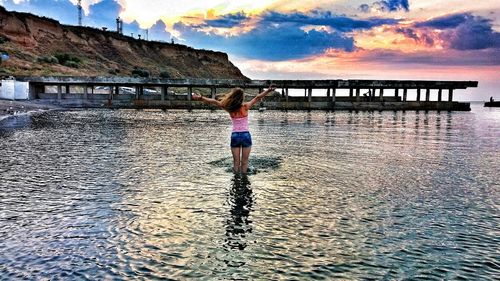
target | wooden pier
[{"x": 129, "y": 92}]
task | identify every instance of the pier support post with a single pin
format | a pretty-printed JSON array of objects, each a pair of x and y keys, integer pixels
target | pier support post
[
  {"x": 33, "y": 91},
  {"x": 328, "y": 92},
  {"x": 39, "y": 89},
  {"x": 396, "y": 93},
  {"x": 309, "y": 94},
  {"x": 381, "y": 94},
  {"x": 117, "y": 90},
  {"x": 59, "y": 92},
  {"x": 427, "y": 94},
  {"x": 66, "y": 89},
  {"x": 111, "y": 90},
  {"x": 85, "y": 92},
  {"x": 440, "y": 94},
  {"x": 358, "y": 90},
  {"x": 286, "y": 94},
  {"x": 138, "y": 92},
  {"x": 405, "y": 94},
  {"x": 163, "y": 92},
  {"x": 418, "y": 94},
  {"x": 334, "y": 93},
  {"x": 351, "y": 93},
  {"x": 190, "y": 93},
  {"x": 213, "y": 92},
  {"x": 450, "y": 95}
]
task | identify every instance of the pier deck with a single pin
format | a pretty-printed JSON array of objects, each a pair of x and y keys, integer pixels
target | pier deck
[{"x": 130, "y": 92}]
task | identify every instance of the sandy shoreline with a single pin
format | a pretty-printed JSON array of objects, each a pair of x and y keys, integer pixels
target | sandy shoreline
[{"x": 10, "y": 108}]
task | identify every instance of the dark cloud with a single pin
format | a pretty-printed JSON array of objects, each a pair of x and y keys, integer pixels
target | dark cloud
[
  {"x": 272, "y": 42},
  {"x": 365, "y": 8},
  {"x": 472, "y": 35},
  {"x": 393, "y": 5},
  {"x": 326, "y": 18},
  {"x": 408, "y": 32},
  {"x": 280, "y": 36},
  {"x": 445, "y": 22},
  {"x": 419, "y": 37},
  {"x": 386, "y": 6},
  {"x": 464, "y": 31},
  {"x": 227, "y": 21}
]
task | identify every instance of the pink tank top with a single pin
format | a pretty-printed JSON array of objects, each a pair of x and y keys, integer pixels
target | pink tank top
[{"x": 240, "y": 124}]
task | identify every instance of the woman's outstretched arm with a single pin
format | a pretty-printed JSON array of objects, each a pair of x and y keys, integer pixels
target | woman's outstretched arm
[
  {"x": 207, "y": 100},
  {"x": 260, "y": 96}
]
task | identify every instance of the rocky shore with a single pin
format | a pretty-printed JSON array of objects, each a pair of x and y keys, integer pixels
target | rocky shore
[{"x": 14, "y": 108}]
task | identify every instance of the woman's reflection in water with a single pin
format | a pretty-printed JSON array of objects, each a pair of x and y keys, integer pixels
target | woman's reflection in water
[{"x": 238, "y": 224}]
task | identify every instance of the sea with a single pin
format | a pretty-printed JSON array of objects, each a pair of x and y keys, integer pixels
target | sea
[{"x": 150, "y": 195}]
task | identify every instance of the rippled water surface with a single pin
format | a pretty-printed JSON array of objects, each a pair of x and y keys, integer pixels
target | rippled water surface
[{"x": 128, "y": 194}]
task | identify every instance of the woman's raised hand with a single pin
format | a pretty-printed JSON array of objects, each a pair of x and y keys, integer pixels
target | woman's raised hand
[
  {"x": 196, "y": 96},
  {"x": 271, "y": 88}
]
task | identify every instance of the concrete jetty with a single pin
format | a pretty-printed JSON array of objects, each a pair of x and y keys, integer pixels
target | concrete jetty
[
  {"x": 492, "y": 104},
  {"x": 131, "y": 92}
]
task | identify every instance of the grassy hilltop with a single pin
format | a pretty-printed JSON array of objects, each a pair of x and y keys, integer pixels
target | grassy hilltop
[{"x": 42, "y": 46}]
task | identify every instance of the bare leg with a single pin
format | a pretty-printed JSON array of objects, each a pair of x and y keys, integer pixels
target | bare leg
[
  {"x": 245, "y": 154},
  {"x": 236, "y": 159}
]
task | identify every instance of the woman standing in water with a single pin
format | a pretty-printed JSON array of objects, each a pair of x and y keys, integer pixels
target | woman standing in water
[{"x": 241, "y": 140}]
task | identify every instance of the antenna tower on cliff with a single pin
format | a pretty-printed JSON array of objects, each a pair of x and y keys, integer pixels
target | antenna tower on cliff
[
  {"x": 119, "y": 25},
  {"x": 79, "y": 6}
]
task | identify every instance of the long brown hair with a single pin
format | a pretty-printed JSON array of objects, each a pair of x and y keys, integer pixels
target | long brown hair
[{"x": 233, "y": 100}]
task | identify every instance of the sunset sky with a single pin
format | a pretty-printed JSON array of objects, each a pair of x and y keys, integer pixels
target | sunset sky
[{"x": 343, "y": 39}]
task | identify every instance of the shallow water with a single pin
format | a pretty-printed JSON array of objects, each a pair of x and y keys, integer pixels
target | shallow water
[{"x": 128, "y": 194}]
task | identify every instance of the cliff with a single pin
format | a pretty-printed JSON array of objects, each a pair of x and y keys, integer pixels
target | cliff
[{"x": 42, "y": 46}]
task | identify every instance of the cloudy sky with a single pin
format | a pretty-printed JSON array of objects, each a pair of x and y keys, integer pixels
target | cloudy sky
[{"x": 316, "y": 39}]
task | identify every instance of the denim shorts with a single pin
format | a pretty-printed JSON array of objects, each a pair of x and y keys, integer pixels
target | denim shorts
[{"x": 243, "y": 139}]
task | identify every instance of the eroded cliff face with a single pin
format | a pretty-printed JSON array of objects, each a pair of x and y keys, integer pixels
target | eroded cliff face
[{"x": 33, "y": 43}]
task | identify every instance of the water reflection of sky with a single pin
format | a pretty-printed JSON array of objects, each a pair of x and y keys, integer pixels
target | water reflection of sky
[{"x": 128, "y": 194}]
